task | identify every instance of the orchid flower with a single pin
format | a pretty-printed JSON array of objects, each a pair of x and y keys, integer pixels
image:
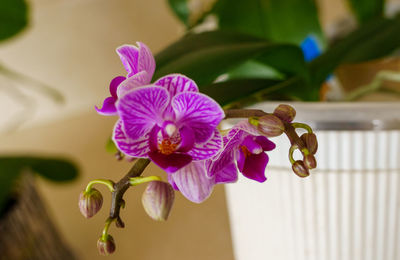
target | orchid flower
[
  {"x": 169, "y": 122},
  {"x": 139, "y": 64},
  {"x": 244, "y": 150},
  {"x": 245, "y": 146}
]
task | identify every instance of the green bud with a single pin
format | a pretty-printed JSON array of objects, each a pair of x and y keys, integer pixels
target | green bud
[
  {"x": 285, "y": 113},
  {"x": 106, "y": 246},
  {"x": 270, "y": 126},
  {"x": 310, "y": 140},
  {"x": 90, "y": 202},
  {"x": 309, "y": 161},
  {"x": 158, "y": 199},
  {"x": 300, "y": 169}
]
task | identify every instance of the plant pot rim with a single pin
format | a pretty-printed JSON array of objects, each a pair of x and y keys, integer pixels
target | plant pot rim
[{"x": 343, "y": 116}]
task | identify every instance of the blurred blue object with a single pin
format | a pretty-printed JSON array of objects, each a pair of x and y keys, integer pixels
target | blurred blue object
[{"x": 310, "y": 48}]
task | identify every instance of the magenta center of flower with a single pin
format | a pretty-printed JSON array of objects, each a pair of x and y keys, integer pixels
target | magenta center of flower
[
  {"x": 167, "y": 147},
  {"x": 169, "y": 139},
  {"x": 245, "y": 151}
]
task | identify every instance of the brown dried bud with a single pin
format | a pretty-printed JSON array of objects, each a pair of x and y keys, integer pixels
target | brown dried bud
[
  {"x": 309, "y": 161},
  {"x": 106, "y": 246},
  {"x": 90, "y": 202},
  {"x": 310, "y": 140},
  {"x": 300, "y": 169},
  {"x": 270, "y": 126},
  {"x": 285, "y": 113},
  {"x": 158, "y": 199}
]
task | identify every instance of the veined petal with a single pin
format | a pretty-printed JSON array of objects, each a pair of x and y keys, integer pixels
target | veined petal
[
  {"x": 177, "y": 83},
  {"x": 254, "y": 167},
  {"x": 172, "y": 182},
  {"x": 146, "y": 60},
  {"x": 171, "y": 162},
  {"x": 227, "y": 154},
  {"x": 129, "y": 55},
  {"x": 193, "y": 183},
  {"x": 199, "y": 112},
  {"x": 247, "y": 127},
  {"x": 141, "y": 109},
  {"x": 135, "y": 148},
  {"x": 207, "y": 149},
  {"x": 224, "y": 169},
  {"x": 140, "y": 79},
  {"x": 108, "y": 108},
  {"x": 114, "y": 84}
]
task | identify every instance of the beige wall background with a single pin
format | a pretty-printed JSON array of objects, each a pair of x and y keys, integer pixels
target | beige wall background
[{"x": 70, "y": 45}]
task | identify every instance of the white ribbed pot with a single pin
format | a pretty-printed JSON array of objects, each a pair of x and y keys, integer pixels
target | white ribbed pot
[{"x": 347, "y": 209}]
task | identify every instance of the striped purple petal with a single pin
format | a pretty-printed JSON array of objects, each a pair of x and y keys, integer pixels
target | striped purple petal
[
  {"x": 199, "y": 112},
  {"x": 207, "y": 149},
  {"x": 177, "y": 83},
  {"x": 141, "y": 109},
  {"x": 137, "y": 59},
  {"x": 193, "y": 183},
  {"x": 135, "y": 148},
  {"x": 140, "y": 79}
]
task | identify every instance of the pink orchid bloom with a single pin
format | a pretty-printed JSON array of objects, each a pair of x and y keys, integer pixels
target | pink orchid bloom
[
  {"x": 169, "y": 122},
  {"x": 139, "y": 64}
]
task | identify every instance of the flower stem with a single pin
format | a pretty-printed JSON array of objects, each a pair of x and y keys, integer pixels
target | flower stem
[
  {"x": 244, "y": 113},
  {"x": 139, "y": 180},
  {"x": 304, "y": 126},
  {"x": 121, "y": 186},
  {"x": 105, "y": 230},
  {"x": 108, "y": 183}
]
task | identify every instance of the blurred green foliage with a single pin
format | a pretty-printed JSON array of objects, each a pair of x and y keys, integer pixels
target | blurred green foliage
[
  {"x": 257, "y": 47},
  {"x": 13, "y": 18}
]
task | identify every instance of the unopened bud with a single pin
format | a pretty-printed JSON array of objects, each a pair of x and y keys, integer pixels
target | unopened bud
[
  {"x": 285, "y": 113},
  {"x": 158, "y": 199},
  {"x": 90, "y": 202},
  {"x": 270, "y": 126},
  {"x": 310, "y": 140},
  {"x": 300, "y": 169},
  {"x": 309, "y": 161},
  {"x": 106, "y": 246}
]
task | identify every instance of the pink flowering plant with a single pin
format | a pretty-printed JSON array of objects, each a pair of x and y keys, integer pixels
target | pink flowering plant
[{"x": 170, "y": 123}]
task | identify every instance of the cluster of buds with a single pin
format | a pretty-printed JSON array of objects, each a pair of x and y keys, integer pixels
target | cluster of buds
[
  {"x": 281, "y": 121},
  {"x": 157, "y": 200}
]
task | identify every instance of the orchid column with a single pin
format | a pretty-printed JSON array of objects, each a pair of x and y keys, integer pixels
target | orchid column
[{"x": 171, "y": 124}]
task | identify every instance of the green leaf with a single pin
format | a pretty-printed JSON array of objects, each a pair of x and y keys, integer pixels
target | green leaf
[
  {"x": 371, "y": 41},
  {"x": 287, "y": 21},
  {"x": 181, "y": 10},
  {"x": 57, "y": 170},
  {"x": 54, "y": 169},
  {"x": 13, "y": 17},
  {"x": 255, "y": 69},
  {"x": 366, "y": 10},
  {"x": 228, "y": 92},
  {"x": 203, "y": 57},
  {"x": 191, "y": 42},
  {"x": 241, "y": 92}
]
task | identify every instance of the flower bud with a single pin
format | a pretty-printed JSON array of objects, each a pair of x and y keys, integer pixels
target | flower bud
[
  {"x": 270, "y": 126},
  {"x": 106, "y": 246},
  {"x": 300, "y": 169},
  {"x": 285, "y": 113},
  {"x": 309, "y": 161},
  {"x": 158, "y": 199},
  {"x": 310, "y": 140},
  {"x": 90, "y": 202}
]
